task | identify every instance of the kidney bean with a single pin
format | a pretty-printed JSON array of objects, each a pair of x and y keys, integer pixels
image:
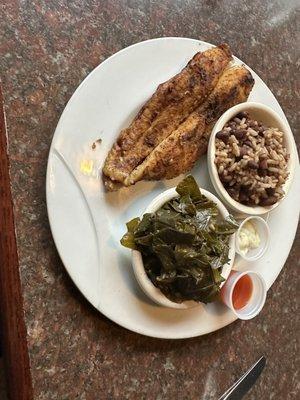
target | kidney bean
[
  {"x": 243, "y": 151},
  {"x": 242, "y": 114},
  {"x": 262, "y": 172},
  {"x": 223, "y": 135},
  {"x": 252, "y": 164},
  {"x": 248, "y": 143},
  {"x": 270, "y": 191},
  {"x": 263, "y": 164},
  {"x": 243, "y": 197},
  {"x": 245, "y": 189},
  {"x": 268, "y": 201},
  {"x": 240, "y": 134}
]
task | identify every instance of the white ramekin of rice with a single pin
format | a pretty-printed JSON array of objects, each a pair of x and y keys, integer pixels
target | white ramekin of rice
[{"x": 269, "y": 118}]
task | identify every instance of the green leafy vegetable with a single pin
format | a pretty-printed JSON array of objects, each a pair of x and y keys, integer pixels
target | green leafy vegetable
[
  {"x": 227, "y": 227},
  {"x": 189, "y": 187},
  {"x": 184, "y": 245},
  {"x": 128, "y": 240}
]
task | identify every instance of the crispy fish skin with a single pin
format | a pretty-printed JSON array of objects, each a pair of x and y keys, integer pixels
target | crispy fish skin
[
  {"x": 172, "y": 102},
  {"x": 178, "y": 153}
]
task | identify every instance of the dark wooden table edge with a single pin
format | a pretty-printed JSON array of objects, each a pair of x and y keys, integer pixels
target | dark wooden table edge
[{"x": 13, "y": 330}]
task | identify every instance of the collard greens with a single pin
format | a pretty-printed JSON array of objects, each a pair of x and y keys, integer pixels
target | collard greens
[{"x": 184, "y": 245}]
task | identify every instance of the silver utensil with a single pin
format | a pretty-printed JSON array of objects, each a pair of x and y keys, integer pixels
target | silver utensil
[{"x": 238, "y": 390}]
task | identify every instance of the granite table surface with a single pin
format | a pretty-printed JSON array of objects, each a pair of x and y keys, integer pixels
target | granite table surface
[{"x": 47, "y": 48}]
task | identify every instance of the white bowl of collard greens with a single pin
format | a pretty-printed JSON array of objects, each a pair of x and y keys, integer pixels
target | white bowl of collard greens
[{"x": 183, "y": 247}]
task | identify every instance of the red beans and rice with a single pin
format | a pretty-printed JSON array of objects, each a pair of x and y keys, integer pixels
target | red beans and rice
[{"x": 251, "y": 160}]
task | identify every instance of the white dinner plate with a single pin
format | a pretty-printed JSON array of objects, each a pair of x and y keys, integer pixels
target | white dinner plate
[{"x": 87, "y": 223}]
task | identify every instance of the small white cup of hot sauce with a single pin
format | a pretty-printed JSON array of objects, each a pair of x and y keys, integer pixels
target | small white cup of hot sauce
[{"x": 244, "y": 293}]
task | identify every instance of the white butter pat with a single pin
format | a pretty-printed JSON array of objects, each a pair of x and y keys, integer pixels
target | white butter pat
[{"x": 248, "y": 238}]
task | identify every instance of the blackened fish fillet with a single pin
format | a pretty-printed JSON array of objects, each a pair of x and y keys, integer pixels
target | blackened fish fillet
[
  {"x": 179, "y": 151},
  {"x": 170, "y": 105}
]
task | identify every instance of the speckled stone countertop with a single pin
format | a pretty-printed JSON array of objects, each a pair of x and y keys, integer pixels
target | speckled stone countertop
[{"x": 48, "y": 47}]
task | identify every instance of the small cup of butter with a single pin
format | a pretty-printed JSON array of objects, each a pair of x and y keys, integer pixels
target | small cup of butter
[{"x": 252, "y": 238}]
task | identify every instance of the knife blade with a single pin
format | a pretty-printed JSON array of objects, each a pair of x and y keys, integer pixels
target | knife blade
[{"x": 238, "y": 390}]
